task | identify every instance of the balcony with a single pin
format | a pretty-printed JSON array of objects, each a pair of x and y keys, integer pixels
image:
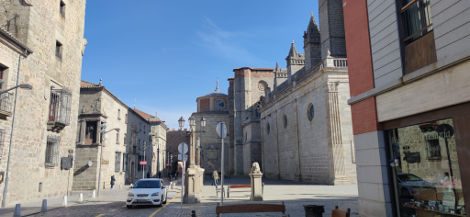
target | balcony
[
  {"x": 6, "y": 105},
  {"x": 333, "y": 62},
  {"x": 59, "y": 110}
]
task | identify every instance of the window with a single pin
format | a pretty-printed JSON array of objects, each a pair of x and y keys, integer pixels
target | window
[
  {"x": 119, "y": 114},
  {"x": 310, "y": 112},
  {"x": 124, "y": 162},
  {"x": 52, "y": 151},
  {"x": 91, "y": 132},
  {"x": 59, "y": 109},
  {"x": 284, "y": 118},
  {"x": 117, "y": 162},
  {"x": 416, "y": 19},
  {"x": 268, "y": 128},
  {"x": 62, "y": 8},
  {"x": 58, "y": 49},
  {"x": 3, "y": 71},
  {"x": 117, "y": 137},
  {"x": 126, "y": 119},
  {"x": 2, "y": 142},
  {"x": 417, "y": 37}
]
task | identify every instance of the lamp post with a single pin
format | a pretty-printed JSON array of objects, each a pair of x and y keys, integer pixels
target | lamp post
[
  {"x": 158, "y": 159},
  {"x": 22, "y": 86},
  {"x": 101, "y": 157}
]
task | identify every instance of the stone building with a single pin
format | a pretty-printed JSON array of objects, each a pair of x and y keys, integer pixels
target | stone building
[
  {"x": 214, "y": 109},
  {"x": 44, "y": 129},
  {"x": 174, "y": 138},
  {"x": 101, "y": 139},
  {"x": 245, "y": 90},
  {"x": 409, "y": 67},
  {"x": 156, "y": 153},
  {"x": 305, "y": 123}
]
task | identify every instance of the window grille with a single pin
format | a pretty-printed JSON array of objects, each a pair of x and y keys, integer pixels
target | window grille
[
  {"x": 60, "y": 107},
  {"x": 52, "y": 153}
]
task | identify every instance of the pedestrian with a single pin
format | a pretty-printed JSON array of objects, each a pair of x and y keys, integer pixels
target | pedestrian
[
  {"x": 215, "y": 177},
  {"x": 113, "y": 180}
]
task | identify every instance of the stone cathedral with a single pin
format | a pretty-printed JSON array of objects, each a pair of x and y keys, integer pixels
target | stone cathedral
[{"x": 296, "y": 121}]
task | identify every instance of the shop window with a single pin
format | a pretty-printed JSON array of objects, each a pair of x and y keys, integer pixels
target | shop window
[
  {"x": 417, "y": 35},
  {"x": 52, "y": 153},
  {"x": 426, "y": 170},
  {"x": 117, "y": 162},
  {"x": 58, "y": 49},
  {"x": 59, "y": 109}
]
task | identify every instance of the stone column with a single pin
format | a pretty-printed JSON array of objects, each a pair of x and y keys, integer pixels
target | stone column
[
  {"x": 256, "y": 182},
  {"x": 335, "y": 132}
]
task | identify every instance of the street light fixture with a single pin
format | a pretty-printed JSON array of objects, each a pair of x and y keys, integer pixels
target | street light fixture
[
  {"x": 181, "y": 122},
  {"x": 25, "y": 86}
]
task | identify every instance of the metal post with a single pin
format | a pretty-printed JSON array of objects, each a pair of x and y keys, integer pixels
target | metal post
[
  {"x": 99, "y": 170},
  {"x": 222, "y": 173},
  {"x": 182, "y": 175},
  {"x": 158, "y": 159},
  {"x": 143, "y": 166}
]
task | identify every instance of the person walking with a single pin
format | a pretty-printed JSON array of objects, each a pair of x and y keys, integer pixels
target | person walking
[{"x": 113, "y": 180}]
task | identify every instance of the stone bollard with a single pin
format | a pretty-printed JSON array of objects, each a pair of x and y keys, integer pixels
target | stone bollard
[
  {"x": 93, "y": 195},
  {"x": 81, "y": 198},
  {"x": 44, "y": 206},
  {"x": 65, "y": 200},
  {"x": 256, "y": 182},
  {"x": 17, "y": 212}
]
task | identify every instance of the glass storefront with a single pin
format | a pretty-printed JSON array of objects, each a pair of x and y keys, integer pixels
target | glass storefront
[{"x": 426, "y": 171}]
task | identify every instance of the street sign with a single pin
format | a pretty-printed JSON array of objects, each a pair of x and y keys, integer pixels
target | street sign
[
  {"x": 142, "y": 162},
  {"x": 221, "y": 130},
  {"x": 183, "y": 148},
  {"x": 181, "y": 158}
]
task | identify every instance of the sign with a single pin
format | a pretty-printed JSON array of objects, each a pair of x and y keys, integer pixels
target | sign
[
  {"x": 183, "y": 157},
  {"x": 183, "y": 148},
  {"x": 221, "y": 130},
  {"x": 143, "y": 162}
]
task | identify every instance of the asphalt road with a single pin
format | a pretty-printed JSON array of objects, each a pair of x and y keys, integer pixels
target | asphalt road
[{"x": 104, "y": 209}]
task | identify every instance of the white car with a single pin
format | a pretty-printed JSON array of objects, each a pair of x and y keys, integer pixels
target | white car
[{"x": 147, "y": 192}]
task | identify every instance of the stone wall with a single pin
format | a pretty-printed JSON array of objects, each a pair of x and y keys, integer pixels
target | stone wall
[{"x": 40, "y": 27}]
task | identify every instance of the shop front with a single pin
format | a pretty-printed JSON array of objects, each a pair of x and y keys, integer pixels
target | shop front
[{"x": 429, "y": 155}]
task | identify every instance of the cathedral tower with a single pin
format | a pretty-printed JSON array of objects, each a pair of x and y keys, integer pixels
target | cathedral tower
[
  {"x": 312, "y": 45},
  {"x": 332, "y": 29},
  {"x": 295, "y": 61}
]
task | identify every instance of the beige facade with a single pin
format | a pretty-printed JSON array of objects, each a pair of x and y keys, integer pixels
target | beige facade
[
  {"x": 214, "y": 109},
  {"x": 44, "y": 130}
]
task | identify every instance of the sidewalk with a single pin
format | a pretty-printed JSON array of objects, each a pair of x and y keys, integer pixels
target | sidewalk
[{"x": 34, "y": 207}]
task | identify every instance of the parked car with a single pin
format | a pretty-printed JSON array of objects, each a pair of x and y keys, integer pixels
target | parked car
[
  {"x": 150, "y": 192},
  {"x": 410, "y": 184}
]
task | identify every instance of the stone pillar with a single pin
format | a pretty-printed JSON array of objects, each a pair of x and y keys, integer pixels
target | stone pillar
[
  {"x": 194, "y": 184},
  {"x": 256, "y": 182}
]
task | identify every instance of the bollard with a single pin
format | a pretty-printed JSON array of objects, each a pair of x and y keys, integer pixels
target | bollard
[
  {"x": 193, "y": 213},
  {"x": 44, "y": 206},
  {"x": 81, "y": 198},
  {"x": 94, "y": 194},
  {"x": 17, "y": 210},
  {"x": 65, "y": 201}
]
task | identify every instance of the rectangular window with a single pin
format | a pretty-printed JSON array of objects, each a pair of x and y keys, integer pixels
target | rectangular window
[
  {"x": 426, "y": 171},
  {"x": 62, "y": 8},
  {"x": 119, "y": 114},
  {"x": 58, "y": 49},
  {"x": 2, "y": 142},
  {"x": 124, "y": 162},
  {"x": 52, "y": 147},
  {"x": 417, "y": 37},
  {"x": 416, "y": 19},
  {"x": 91, "y": 132},
  {"x": 3, "y": 71},
  {"x": 60, "y": 106},
  {"x": 117, "y": 137},
  {"x": 117, "y": 162}
]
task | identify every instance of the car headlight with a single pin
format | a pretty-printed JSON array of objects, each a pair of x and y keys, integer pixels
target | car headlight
[
  {"x": 130, "y": 195},
  {"x": 155, "y": 194}
]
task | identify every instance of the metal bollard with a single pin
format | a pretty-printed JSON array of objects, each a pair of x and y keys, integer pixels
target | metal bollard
[
  {"x": 17, "y": 210},
  {"x": 44, "y": 206},
  {"x": 193, "y": 213},
  {"x": 65, "y": 200}
]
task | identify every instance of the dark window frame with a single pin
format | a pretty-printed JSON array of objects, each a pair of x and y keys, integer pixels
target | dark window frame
[
  {"x": 59, "y": 49},
  {"x": 62, "y": 8},
  {"x": 415, "y": 19}
]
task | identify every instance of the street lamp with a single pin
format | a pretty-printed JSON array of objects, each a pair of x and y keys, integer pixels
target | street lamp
[
  {"x": 101, "y": 157},
  {"x": 181, "y": 122},
  {"x": 22, "y": 86}
]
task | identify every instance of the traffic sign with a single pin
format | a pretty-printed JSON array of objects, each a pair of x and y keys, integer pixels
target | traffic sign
[
  {"x": 221, "y": 130},
  {"x": 183, "y": 148},
  {"x": 142, "y": 162},
  {"x": 180, "y": 157}
]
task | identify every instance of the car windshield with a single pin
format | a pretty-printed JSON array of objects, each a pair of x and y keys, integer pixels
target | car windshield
[
  {"x": 147, "y": 184},
  {"x": 409, "y": 178}
]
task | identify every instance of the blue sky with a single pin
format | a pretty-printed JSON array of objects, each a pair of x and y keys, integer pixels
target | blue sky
[{"x": 160, "y": 55}]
